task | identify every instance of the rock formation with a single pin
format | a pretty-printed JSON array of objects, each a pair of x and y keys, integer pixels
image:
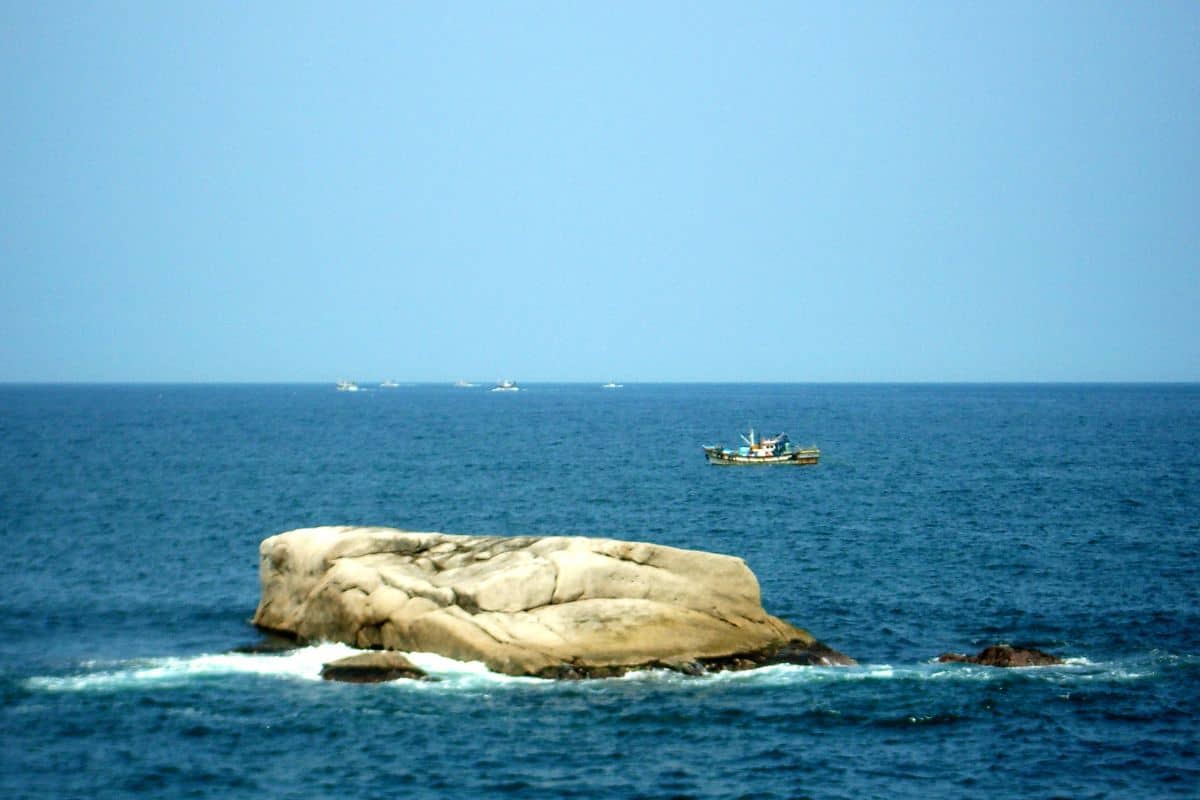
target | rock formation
[
  {"x": 1003, "y": 655},
  {"x": 566, "y": 607},
  {"x": 372, "y": 668}
]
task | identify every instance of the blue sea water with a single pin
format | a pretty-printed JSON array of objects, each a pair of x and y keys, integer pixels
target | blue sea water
[{"x": 940, "y": 518}]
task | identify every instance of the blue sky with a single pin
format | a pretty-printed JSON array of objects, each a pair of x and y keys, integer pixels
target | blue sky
[{"x": 568, "y": 191}]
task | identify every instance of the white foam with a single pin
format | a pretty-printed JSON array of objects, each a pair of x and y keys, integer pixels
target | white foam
[
  {"x": 304, "y": 664},
  {"x": 451, "y": 674},
  {"x": 300, "y": 664}
]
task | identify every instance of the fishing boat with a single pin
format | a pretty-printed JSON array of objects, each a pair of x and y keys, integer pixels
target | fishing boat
[
  {"x": 506, "y": 386},
  {"x": 766, "y": 450},
  {"x": 389, "y": 385},
  {"x": 347, "y": 386},
  {"x": 613, "y": 385}
]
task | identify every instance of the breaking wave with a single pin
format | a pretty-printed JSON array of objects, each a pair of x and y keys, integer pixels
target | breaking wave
[{"x": 304, "y": 664}]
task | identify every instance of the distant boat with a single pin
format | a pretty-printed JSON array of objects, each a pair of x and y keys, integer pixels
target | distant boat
[
  {"x": 611, "y": 385},
  {"x": 506, "y": 386},
  {"x": 771, "y": 450},
  {"x": 347, "y": 386},
  {"x": 464, "y": 385},
  {"x": 388, "y": 385}
]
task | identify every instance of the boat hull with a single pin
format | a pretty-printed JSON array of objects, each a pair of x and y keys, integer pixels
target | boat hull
[{"x": 803, "y": 457}]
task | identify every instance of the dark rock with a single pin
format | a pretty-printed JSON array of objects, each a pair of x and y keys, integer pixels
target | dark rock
[
  {"x": 1003, "y": 655},
  {"x": 814, "y": 654},
  {"x": 797, "y": 651},
  {"x": 372, "y": 668},
  {"x": 692, "y": 668},
  {"x": 583, "y": 672},
  {"x": 268, "y": 644}
]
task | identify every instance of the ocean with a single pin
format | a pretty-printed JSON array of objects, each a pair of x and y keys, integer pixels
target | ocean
[{"x": 941, "y": 518}]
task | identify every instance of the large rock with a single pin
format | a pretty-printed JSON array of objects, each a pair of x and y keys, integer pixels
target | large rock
[
  {"x": 546, "y": 606},
  {"x": 1004, "y": 655}
]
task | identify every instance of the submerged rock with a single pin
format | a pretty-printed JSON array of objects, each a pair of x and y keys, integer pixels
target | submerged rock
[
  {"x": 1003, "y": 655},
  {"x": 562, "y": 607},
  {"x": 374, "y": 667}
]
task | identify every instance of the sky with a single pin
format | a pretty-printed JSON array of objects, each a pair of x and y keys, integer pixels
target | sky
[{"x": 641, "y": 191}]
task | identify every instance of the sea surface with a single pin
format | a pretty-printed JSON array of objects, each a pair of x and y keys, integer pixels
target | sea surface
[{"x": 941, "y": 518}]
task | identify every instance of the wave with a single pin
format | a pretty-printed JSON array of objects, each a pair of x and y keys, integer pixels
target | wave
[
  {"x": 301, "y": 664},
  {"x": 304, "y": 664}
]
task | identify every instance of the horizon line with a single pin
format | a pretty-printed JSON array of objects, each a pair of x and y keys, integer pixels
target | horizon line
[{"x": 578, "y": 382}]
